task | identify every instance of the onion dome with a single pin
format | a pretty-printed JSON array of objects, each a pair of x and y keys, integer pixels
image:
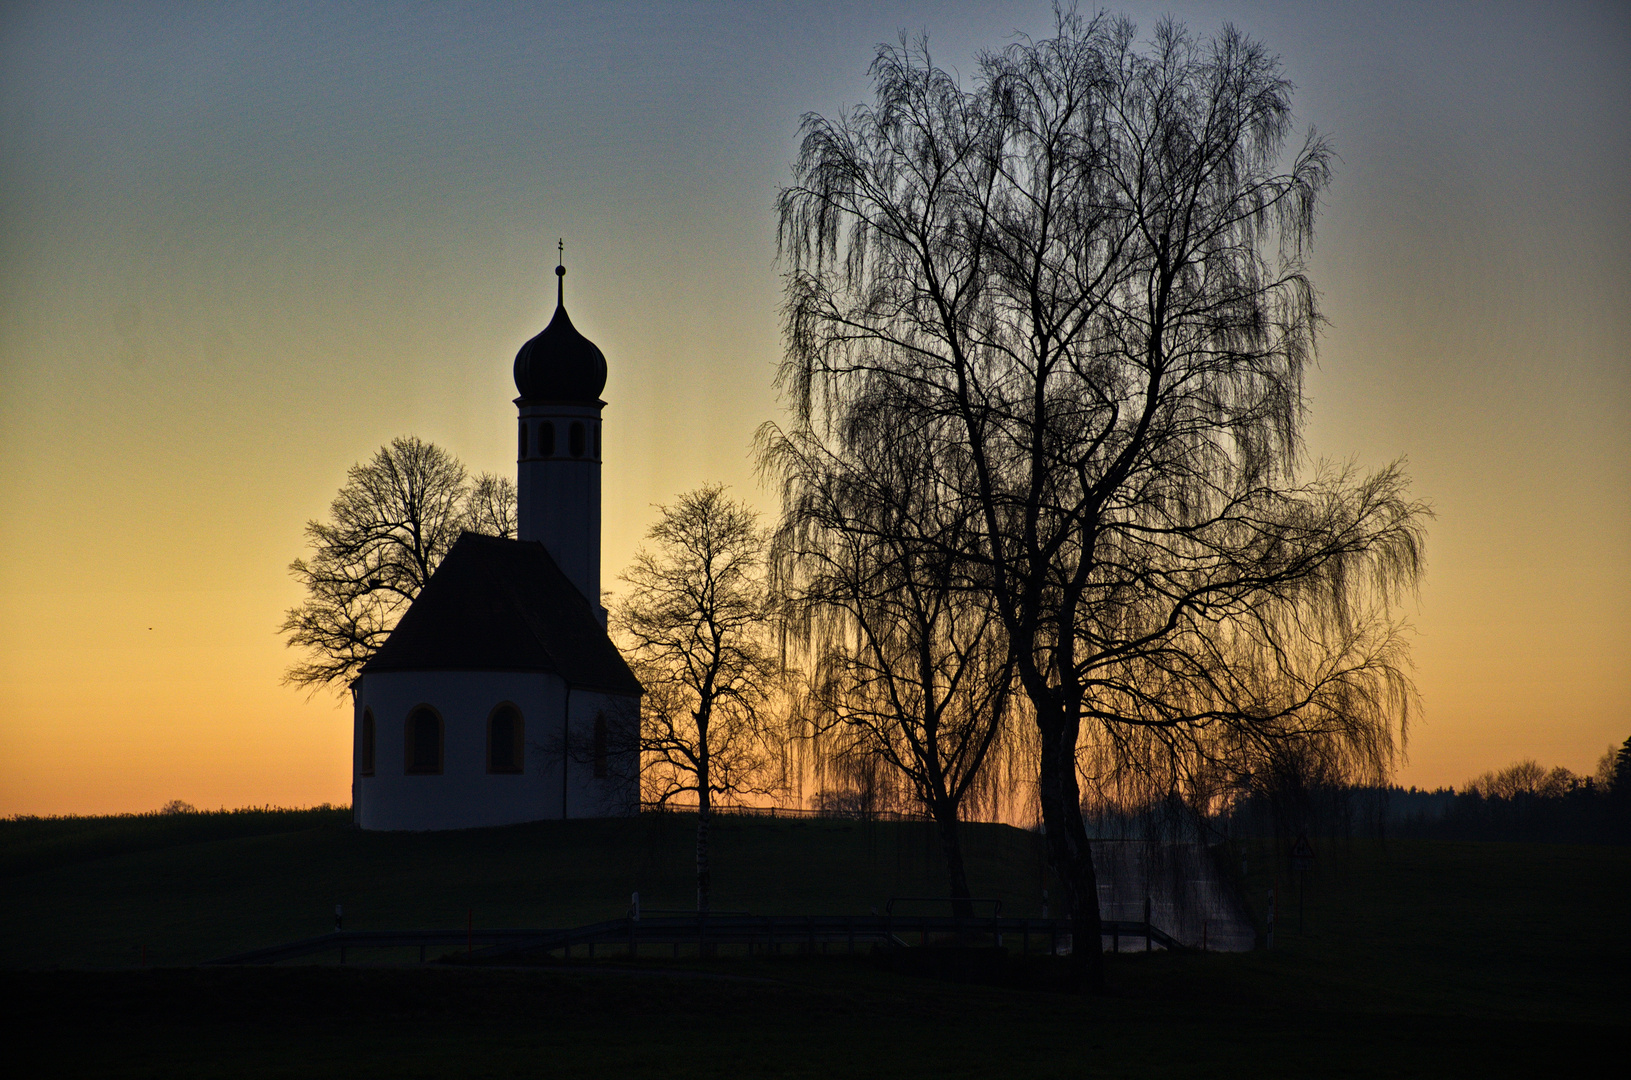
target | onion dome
[{"x": 560, "y": 364}]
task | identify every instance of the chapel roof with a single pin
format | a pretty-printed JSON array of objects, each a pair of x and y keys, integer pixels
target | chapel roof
[{"x": 503, "y": 605}]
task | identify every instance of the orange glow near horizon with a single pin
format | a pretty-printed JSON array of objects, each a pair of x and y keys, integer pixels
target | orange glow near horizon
[{"x": 240, "y": 252}]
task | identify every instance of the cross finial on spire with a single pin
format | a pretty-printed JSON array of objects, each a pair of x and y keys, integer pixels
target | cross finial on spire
[{"x": 560, "y": 273}]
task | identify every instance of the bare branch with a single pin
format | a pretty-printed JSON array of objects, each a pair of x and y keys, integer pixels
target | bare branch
[{"x": 388, "y": 529}]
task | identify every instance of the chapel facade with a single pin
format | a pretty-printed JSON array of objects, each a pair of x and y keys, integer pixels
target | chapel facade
[{"x": 499, "y": 698}]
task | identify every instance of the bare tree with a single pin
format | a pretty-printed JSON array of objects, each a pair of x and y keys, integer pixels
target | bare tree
[
  {"x": 1085, "y": 275},
  {"x": 694, "y": 625},
  {"x": 911, "y": 666},
  {"x": 490, "y": 506},
  {"x": 1526, "y": 777},
  {"x": 389, "y": 528}
]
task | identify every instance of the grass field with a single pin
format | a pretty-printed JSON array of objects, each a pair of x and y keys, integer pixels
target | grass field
[
  {"x": 1415, "y": 959},
  {"x": 186, "y": 892}
]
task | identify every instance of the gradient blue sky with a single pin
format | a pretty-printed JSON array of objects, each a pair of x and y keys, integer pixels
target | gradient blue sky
[{"x": 242, "y": 245}]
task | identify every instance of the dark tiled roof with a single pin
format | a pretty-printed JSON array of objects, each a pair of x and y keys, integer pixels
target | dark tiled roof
[{"x": 503, "y": 605}]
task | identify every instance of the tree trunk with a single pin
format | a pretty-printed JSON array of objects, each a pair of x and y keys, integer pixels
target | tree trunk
[
  {"x": 704, "y": 812},
  {"x": 1070, "y": 851},
  {"x": 945, "y": 817},
  {"x": 703, "y": 815}
]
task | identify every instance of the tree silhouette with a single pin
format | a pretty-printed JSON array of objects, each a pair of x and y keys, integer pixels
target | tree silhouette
[
  {"x": 1620, "y": 784},
  {"x": 1082, "y": 281},
  {"x": 1526, "y": 777},
  {"x": 389, "y": 528},
  {"x": 911, "y": 666},
  {"x": 694, "y": 626}
]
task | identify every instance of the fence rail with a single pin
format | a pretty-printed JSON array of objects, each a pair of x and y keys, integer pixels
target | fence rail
[
  {"x": 768, "y": 933},
  {"x": 832, "y": 814}
]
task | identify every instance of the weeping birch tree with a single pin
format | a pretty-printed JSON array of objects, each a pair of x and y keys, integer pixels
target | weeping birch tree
[
  {"x": 911, "y": 667},
  {"x": 1085, "y": 275}
]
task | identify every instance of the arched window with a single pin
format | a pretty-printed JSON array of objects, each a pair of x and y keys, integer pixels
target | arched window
[
  {"x": 597, "y": 442},
  {"x": 523, "y": 450},
  {"x": 365, "y": 744},
  {"x": 424, "y": 730},
  {"x": 601, "y": 764},
  {"x": 504, "y": 753},
  {"x": 574, "y": 439},
  {"x": 546, "y": 439}
]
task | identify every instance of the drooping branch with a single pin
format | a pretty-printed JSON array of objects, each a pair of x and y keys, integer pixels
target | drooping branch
[{"x": 1080, "y": 284}]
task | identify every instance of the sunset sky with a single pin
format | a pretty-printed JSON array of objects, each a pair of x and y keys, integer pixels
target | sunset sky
[{"x": 243, "y": 245}]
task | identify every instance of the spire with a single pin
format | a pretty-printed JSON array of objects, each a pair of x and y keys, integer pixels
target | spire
[
  {"x": 560, "y": 273},
  {"x": 560, "y": 364}
]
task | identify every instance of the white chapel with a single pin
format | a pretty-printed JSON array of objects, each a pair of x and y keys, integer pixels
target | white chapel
[{"x": 499, "y": 697}]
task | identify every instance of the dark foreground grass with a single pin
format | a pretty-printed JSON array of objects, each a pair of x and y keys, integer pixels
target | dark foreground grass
[
  {"x": 805, "y": 1019},
  {"x": 1416, "y": 959}
]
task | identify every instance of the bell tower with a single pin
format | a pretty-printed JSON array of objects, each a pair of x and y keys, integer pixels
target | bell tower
[{"x": 560, "y": 375}]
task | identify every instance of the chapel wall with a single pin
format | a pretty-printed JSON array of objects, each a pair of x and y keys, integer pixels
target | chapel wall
[{"x": 464, "y": 794}]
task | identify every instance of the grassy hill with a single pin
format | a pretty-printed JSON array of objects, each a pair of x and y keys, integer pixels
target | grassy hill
[
  {"x": 96, "y": 892},
  {"x": 1414, "y": 958}
]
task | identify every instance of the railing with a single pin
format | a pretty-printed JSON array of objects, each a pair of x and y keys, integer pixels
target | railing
[
  {"x": 735, "y": 810},
  {"x": 709, "y": 932}
]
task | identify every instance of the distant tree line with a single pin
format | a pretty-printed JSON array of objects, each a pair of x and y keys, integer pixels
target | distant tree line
[
  {"x": 1527, "y": 802},
  {"x": 1522, "y": 802}
]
